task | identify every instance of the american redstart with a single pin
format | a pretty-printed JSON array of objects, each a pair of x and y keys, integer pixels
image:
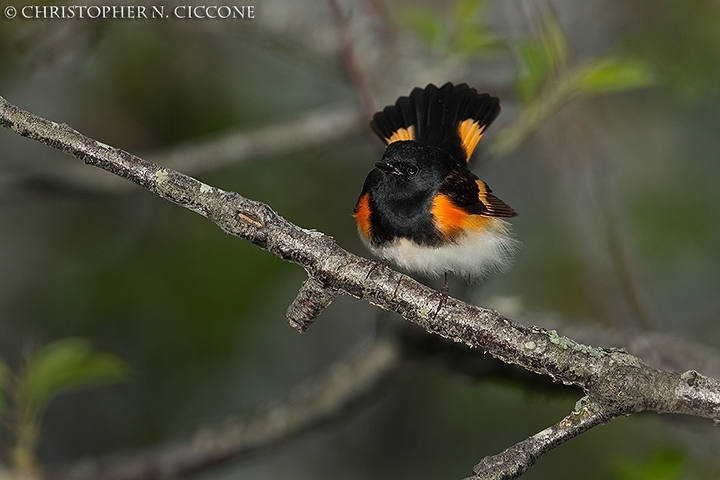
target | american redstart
[{"x": 421, "y": 207}]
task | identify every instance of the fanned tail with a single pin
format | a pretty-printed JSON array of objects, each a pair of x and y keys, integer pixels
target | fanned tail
[{"x": 452, "y": 117}]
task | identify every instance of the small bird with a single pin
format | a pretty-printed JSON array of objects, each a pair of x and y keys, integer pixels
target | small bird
[{"x": 421, "y": 207}]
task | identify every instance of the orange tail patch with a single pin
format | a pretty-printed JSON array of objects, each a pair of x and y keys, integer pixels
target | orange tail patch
[
  {"x": 401, "y": 134},
  {"x": 470, "y": 131}
]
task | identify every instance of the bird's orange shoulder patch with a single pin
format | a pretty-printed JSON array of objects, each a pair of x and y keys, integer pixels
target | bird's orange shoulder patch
[
  {"x": 362, "y": 215},
  {"x": 451, "y": 220}
]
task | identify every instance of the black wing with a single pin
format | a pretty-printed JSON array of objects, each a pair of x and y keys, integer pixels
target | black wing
[{"x": 473, "y": 195}]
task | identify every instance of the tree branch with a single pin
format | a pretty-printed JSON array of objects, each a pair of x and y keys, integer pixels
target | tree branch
[
  {"x": 308, "y": 405},
  {"x": 353, "y": 65},
  {"x": 312, "y": 299},
  {"x": 516, "y": 460},
  {"x": 312, "y": 128},
  {"x": 315, "y": 127},
  {"x": 330, "y": 395},
  {"x": 614, "y": 381}
]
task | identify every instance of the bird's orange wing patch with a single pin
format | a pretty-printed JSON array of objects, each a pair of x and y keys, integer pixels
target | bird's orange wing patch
[
  {"x": 493, "y": 205},
  {"x": 402, "y": 134},
  {"x": 470, "y": 132},
  {"x": 362, "y": 215},
  {"x": 452, "y": 220}
]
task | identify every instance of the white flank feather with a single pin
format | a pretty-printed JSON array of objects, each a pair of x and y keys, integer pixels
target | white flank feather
[{"x": 472, "y": 256}]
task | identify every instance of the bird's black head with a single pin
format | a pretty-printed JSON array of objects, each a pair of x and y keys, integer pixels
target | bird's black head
[{"x": 409, "y": 169}]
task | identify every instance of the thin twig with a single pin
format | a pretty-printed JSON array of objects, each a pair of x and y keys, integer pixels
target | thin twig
[
  {"x": 516, "y": 460},
  {"x": 312, "y": 128},
  {"x": 353, "y": 65},
  {"x": 310, "y": 404}
]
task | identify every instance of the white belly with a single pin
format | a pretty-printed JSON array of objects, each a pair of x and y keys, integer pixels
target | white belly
[{"x": 471, "y": 256}]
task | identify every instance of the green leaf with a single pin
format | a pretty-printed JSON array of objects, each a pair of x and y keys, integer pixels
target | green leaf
[
  {"x": 467, "y": 16},
  {"x": 553, "y": 41},
  {"x": 541, "y": 57},
  {"x": 466, "y": 12},
  {"x": 476, "y": 42},
  {"x": 470, "y": 36},
  {"x": 613, "y": 74},
  {"x": 426, "y": 22},
  {"x": 65, "y": 365},
  {"x": 533, "y": 70}
]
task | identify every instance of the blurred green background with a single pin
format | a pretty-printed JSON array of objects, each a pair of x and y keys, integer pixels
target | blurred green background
[{"x": 616, "y": 192}]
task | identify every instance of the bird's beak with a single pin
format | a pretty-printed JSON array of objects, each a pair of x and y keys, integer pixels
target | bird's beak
[{"x": 386, "y": 167}]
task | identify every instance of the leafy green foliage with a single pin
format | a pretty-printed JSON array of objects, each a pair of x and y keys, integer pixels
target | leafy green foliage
[
  {"x": 64, "y": 365},
  {"x": 461, "y": 33},
  {"x": 664, "y": 464},
  {"x": 470, "y": 36},
  {"x": 546, "y": 80},
  {"x": 426, "y": 23},
  {"x": 541, "y": 57},
  {"x": 545, "y": 59},
  {"x": 612, "y": 74}
]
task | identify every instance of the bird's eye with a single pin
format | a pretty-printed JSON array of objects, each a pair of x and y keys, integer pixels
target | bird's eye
[{"x": 412, "y": 170}]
